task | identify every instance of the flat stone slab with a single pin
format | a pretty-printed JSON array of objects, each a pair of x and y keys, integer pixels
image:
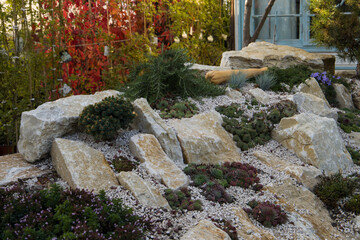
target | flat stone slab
[
  {"x": 82, "y": 166},
  {"x": 204, "y": 140},
  {"x": 14, "y": 167},
  {"x": 148, "y": 150},
  {"x": 39, "y": 127},
  {"x": 146, "y": 194},
  {"x": 311, "y": 86},
  {"x": 205, "y": 230},
  {"x": 260, "y": 95}
]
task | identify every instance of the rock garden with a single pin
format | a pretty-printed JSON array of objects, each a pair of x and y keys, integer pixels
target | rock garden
[{"x": 258, "y": 148}]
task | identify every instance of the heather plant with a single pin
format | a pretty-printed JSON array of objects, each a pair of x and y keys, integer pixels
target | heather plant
[
  {"x": 353, "y": 204},
  {"x": 332, "y": 188},
  {"x": 168, "y": 73},
  {"x": 66, "y": 214},
  {"x": 227, "y": 227},
  {"x": 349, "y": 121},
  {"x": 355, "y": 155},
  {"x": 170, "y": 108},
  {"x": 266, "y": 80},
  {"x": 268, "y": 214},
  {"x": 102, "y": 120},
  {"x": 237, "y": 80},
  {"x": 181, "y": 199},
  {"x": 232, "y": 111}
]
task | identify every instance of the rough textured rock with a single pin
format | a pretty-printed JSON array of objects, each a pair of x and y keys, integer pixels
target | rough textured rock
[
  {"x": 50, "y": 120},
  {"x": 308, "y": 206},
  {"x": 204, "y": 140},
  {"x": 356, "y": 99},
  {"x": 354, "y": 138},
  {"x": 234, "y": 94},
  {"x": 148, "y": 150},
  {"x": 315, "y": 140},
  {"x": 14, "y": 167},
  {"x": 218, "y": 77},
  {"x": 248, "y": 230},
  {"x": 82, "y": 166},
  {"x": 149, "y": 121},
  {"x": 343, "y": 96},
  {"x": 264, "y": 54},
  {"x": 203, "y": 69},
  {"x": 260, "y": 95},
  {"x": 205, "y": 230},
  {"x": 306, "y": 102},
  {"x": 309, "y": 176},
  {"x": 146, "y": 194},
  {"x": 311, "y": 86}
]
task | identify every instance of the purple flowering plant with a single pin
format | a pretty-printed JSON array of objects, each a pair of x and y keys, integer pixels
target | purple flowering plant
[{"x": 323, "y": 78}]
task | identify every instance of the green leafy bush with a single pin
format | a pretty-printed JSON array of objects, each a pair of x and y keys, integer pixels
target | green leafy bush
[
  {"x": 168, "y": 73},
  {"x": 237, "y": 81},
  {"x": 355, "y": 155},
  {"x": 173, "y": 109},
  {"x": 102, "y": 120},
  {"x": 353, "y": 205},
  {"x": 268, "y": 214},
  {"x": 66, "y": 214},
  {"x": 291, "y": 76},
  {"x": 266, "y": 80},
  {"x": 332, "y": 188},
  {"x": 181, "y": 199}
]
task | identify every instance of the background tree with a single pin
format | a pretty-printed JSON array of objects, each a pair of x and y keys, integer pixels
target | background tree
[
  {"x": 247, "y": 38},
  {"x": 337, "y": 24}
]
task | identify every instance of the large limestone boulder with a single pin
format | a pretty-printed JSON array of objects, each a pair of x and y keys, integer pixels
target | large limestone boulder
[
  {"x": 205, "y": 230},
  {"x": 148, "y": 150},
  {"x": 234, "y": 94},
  {"x": 311, "y": 86},
  {"x": 356, "y": 99},
  {"x": 260, "y": 95},
  {"x": 309, "y": 176},
  {"x": 50, "y": 120},
  {"x": 82, "y": 166},
  {"x": 14, "y": 167},
  {"x": 264, "y": 54},
  {"x": 204, "y": 140},
  {"x": 148, "y": 121},
  {"x": 306, "y": 102},
  {"x": 343, "y": 96},
  {"x": 248, "y": 230},
  {"x": 308, "y": 206},
  {"x": 315, "y": 140},
  {"x": 218, "y": 77},
  {"x": 146, "y": 194}
]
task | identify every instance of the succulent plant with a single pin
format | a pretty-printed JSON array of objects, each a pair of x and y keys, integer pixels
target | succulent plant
[
  {"x": 102, "y": 120},
  {"x": 274, "y": 116},
  {"x": 231, "y": 111},
  {"x": 123, "y": 164},
  {"x": 181, "y": 199},
  {"x": 268, "y": 214},
  {"x": 172, "y": 109}
]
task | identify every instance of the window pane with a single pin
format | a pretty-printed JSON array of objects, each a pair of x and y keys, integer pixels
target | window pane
[
  {"x": 286, "y": 28},
  {"x": 280, "y": 6}
]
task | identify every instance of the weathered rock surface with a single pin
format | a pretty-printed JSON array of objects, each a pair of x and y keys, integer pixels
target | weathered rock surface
[
  {"x": 260, "y": 95},
  {"x": 146, "y": 194},
  {"x": 218, "y": 77},
  {"x": 205, "y": 230},
  {"x": 354, "y": 138},
  {"x": 82, "y": 166},
  {"x": 308, "y": 206},
  {"x": 204, "y": 140},
  {"x": 356, "y": 99},
  {"x": 248, "y": 230},
  {"x": 311, "y": 86},
  {"x": 234, "y": 94},
  {"x": 50, "y": 120},
  {"x": 14, "y": 167},
  {"x": 149, "y": 121},
  {"x": 343, "y": 96},
  {"x": 264, "y": 54},
  {"x": 309, "y": 176},
  {"x": 203, "y": 69},
  {"x": 315, "y": 140},
  {"x": 306, "y": 102},
  {"x": 148, "y": 150}
]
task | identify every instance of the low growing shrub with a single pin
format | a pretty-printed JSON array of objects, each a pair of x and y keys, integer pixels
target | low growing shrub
[
  {"x": 66, "y": 214},
  {"x": 181, "y": 199},
  {"x": 168, "y": 73},
  {"x": 103, "y": 119},
  {"x": 332, "y": 188},
  {"x": 349, "y": 121},
  {"x": 353, "y": 205},
  {"x": 355, "y": 155},
  {"x": 268, "y": 214}
]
